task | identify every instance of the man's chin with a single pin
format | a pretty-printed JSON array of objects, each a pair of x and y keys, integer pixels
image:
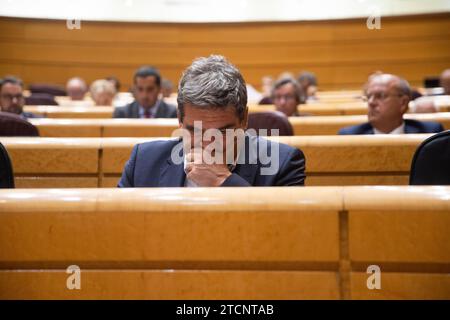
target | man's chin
[
  {"x": 375, "y": 122},
  {"x": 372, "y": 118}
]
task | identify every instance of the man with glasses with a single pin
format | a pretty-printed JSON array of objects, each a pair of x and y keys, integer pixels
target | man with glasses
[
  {"x": 388, "y": 97},
  {"x": 287, "y": 95},
  {"x": 11, "y": 97}
]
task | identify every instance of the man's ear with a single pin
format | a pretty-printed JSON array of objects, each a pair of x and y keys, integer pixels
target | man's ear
[
  {"x": 405, "y": 104},
  {"x": 245, "y": 119},
  {"x": 180, "y": 123}
]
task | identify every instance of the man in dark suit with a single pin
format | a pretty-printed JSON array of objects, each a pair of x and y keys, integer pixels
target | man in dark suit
[
  {"x": 213, "y": 149},
  {"x": 12, "y": 99},
  {"x": 147, "y": 86},
  {"x": 388, "y": 97}
]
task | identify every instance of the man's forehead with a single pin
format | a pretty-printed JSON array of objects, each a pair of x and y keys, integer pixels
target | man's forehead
[
  {"x": 219, "y": 116},
  {"x": 381, "y": 85},
  {"x": 286, "y": 87},
  {"x": 11, "y": 87},
  {"x": 146, "y": 80},
  {"x": 209, "y": 110}
]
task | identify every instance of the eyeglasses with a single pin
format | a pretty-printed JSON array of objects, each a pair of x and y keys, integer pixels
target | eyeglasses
[
  {"x": 379, "y": 96},
  {"x": 287, "y": 97},
  {"x": 9, "y": 97}
]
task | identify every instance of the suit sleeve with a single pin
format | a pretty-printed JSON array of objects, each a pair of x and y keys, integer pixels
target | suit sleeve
[
  {"x": 127, "y": 179},
  {"x": 344, "y": 131},
  {"x": 173, "y": 111},
  {"x": 118, "y": 112},
  {"x": 235, "y": 181},
  {"x": 292, "y": 170}
]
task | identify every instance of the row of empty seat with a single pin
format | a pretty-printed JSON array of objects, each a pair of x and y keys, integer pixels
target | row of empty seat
[{"x": 280, "y": 243}]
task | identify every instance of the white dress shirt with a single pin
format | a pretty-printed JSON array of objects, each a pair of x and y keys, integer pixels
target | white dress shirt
[
  {"x": 152, "y": 110},
  {"x": 398, "y": 130}
]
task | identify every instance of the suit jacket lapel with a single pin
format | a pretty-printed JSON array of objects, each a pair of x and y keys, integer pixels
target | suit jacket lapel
[
  {"x": 247, "y": 171},
  {"x": 172, "y": 174},
  {"x": 249, "y": 168},
  {"x": 160, "y": 112},
  {"x": 134, "y": 110}
]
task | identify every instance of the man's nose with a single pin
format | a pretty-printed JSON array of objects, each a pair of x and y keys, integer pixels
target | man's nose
[
  {"x": 372, "y": 103},
  {"x": 282, "y": 101}
]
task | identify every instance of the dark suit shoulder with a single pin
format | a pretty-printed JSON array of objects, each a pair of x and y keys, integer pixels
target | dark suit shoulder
[
  {"x": 416, "y": 126},
  {"x": 131, "y": 110},
  {"x": 158, "y": 144},
  {"x": 157, "y": 149},
  {"x": 119, "y": 112},
  {"x": 364, "y": 128},
  {"x": 290, "y": 164},
  {"x": 166, "y": 110}
]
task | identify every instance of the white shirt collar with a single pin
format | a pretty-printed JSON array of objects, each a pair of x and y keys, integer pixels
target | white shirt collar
[
  {"x": 152, "y": 110},
  {"x": 398, "y": 130}
]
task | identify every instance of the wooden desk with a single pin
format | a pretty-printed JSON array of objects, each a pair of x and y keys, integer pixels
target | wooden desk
[
  {"x": 330, "y": 160},
  {"x": 207, "y": 243}
]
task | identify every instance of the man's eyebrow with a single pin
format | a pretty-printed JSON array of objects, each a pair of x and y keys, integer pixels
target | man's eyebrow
[{"x": 228, "y": 126}]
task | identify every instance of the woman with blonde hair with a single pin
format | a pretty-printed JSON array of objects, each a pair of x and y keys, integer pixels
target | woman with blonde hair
[{"x": 102, "y": 92}]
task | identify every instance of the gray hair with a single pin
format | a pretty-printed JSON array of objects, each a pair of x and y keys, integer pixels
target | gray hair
[
  {"x": 212, "y": 82},
  {"x": 309, "y": 77},
  {"x": 102, "y": 85},
  {"x": 404, "y": 88},
  {"x": 399, "y": 83}
]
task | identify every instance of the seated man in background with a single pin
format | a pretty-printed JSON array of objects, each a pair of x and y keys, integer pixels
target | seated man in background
[
  {"x": 212, "y": 111},
  {"x": 286, "y": 96},
  {"x": 76, "y": 89},
  {"x": 12, "y": 99},
  {"x": 102, "y": 92},
  {"x": 388, "y": 97},
  {"x": 147, "y": 87}
]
